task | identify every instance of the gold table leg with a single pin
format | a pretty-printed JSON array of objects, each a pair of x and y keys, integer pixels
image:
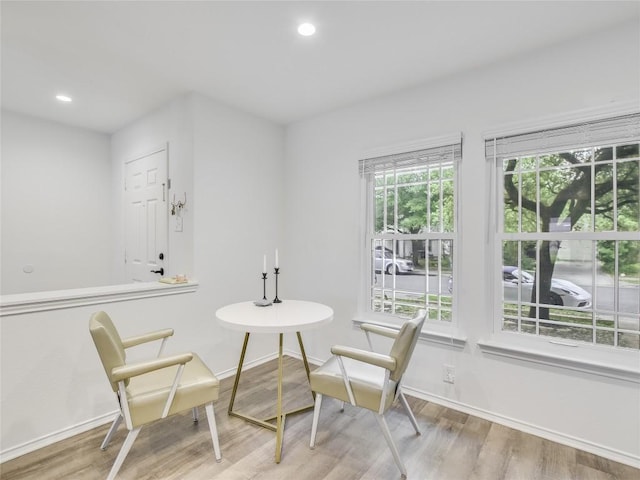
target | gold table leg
[
  {"x": 306, "y": 363},
  {"x": 280, "y": 416},
  {"x": 238, "y": 371}
]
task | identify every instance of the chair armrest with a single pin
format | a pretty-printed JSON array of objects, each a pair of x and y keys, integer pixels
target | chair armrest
[
  {"x": 127, "y": 371},
  {"x": 377, "y": 329},
  {"x": 147, "y": 337},
  {"x": 377, "y": 359}
]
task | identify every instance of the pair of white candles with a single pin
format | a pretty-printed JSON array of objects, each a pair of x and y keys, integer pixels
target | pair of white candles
[{"x": 264, "y": 262}]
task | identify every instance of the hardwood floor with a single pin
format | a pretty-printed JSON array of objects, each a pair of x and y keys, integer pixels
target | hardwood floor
[{"x": 349, "y": 446}]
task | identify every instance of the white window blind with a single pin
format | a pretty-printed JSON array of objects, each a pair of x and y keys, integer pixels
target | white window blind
[
  {"x": 588, "y": 134},
  {"x": 424, "y": 156}
]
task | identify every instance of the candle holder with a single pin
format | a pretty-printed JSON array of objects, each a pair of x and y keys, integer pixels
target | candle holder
[
  {"x": 264, "y": 302},
  {"x": 277, "y": 272}
]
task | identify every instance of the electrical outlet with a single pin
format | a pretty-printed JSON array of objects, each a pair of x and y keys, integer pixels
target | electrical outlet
[{"x": 448, "y": 373}]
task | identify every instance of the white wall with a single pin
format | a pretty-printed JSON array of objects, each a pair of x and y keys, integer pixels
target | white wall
[
  {"x": 323, "y": 218},
  {"x": 55, "y": 205},
  {"x": 238, "y": 216},
  {"x": 53, "y": 384},
  {"x": 230, "y": 165},
  {"x": 172, "y": 127}
]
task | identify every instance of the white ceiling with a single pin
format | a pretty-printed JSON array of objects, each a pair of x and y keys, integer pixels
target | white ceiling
[{"x": 121, "y": 60}]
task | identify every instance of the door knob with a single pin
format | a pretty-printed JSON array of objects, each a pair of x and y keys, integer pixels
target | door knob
[{"x": 161, "y": 271}]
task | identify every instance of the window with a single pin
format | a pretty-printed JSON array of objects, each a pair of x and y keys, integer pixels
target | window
[
  {"x": 410, "y": 234},
  {"x": 569, "y": 232}
]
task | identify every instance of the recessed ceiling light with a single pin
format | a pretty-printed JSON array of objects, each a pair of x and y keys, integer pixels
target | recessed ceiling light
[
  {"x": 306, "y": 29},
  {"x": 63, "y": 98}
]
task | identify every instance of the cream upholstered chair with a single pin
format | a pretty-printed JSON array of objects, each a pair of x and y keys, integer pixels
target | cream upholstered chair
[
  {"x": 154, "y": 389},
  {"x": 369, "y": 380}
]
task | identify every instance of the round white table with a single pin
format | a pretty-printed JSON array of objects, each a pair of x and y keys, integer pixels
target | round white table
[{"x": 286, "y": 317}]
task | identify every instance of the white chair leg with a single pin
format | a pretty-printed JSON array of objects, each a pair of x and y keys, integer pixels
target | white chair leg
[
  {"x": 112, "y": 430},
  {"x": 124, "y": 450},
  {"x": 194, "y": 412},
  {"x": 316, "y": 416},
  {"x": 211, "y": 417},
  {"x": 387, "y": 436},
  {"x": 407, "y": 409},
  {"x": 342, "y": 406}
]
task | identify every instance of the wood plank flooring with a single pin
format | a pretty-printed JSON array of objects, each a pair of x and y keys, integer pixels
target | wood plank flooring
[{"x": 349, "y": 446}]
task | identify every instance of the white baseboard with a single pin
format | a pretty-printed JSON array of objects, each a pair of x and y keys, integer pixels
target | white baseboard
[
  {"x": 612, "y": 454},
  {"x": 230, "y": 372},
  {"x": 49, "y": 439},
  {"x": 554, "y": 436}
]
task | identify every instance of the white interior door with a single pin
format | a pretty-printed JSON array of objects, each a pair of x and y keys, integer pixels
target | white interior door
[{"x": 146, "y": 217}]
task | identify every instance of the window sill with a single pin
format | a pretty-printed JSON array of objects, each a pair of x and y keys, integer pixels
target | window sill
[
  {"x": 450, "y": 339},
  {"x": 22, "y": 303},
  {"x": 605, "y": 363}
]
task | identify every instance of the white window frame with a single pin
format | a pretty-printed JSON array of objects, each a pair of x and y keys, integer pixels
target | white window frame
[
  {"x": 600, "y": 360},
  {"x": 444, "y": 332}
]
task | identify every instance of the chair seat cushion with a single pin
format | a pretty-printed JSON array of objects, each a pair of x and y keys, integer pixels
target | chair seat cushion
[
  {"x": 148, "y": 393},
  {"x": 366, "y": 382}
]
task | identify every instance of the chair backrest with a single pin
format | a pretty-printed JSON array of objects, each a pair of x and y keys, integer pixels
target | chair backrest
[
  {"x": 108, "y": 343},
  {"x": 405, "y": 342}
]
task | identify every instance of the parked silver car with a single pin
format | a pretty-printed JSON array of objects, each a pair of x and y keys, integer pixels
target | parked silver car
[
  {"x": 399, "y": 265},
  {"x": 563, "y": 292}
]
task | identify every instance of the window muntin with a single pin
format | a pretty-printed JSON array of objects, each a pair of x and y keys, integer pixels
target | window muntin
[
  {"x": 571, "y": 219},
  {"x": 411, "y": 232}
]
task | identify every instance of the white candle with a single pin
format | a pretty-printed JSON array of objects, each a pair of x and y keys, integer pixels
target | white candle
[
  {"x": 264, "y": 264},
  {"x": 276, "y": 258}
]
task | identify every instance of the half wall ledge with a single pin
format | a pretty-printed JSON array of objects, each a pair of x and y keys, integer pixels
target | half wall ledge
[{"x": 22, "y": 303}]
